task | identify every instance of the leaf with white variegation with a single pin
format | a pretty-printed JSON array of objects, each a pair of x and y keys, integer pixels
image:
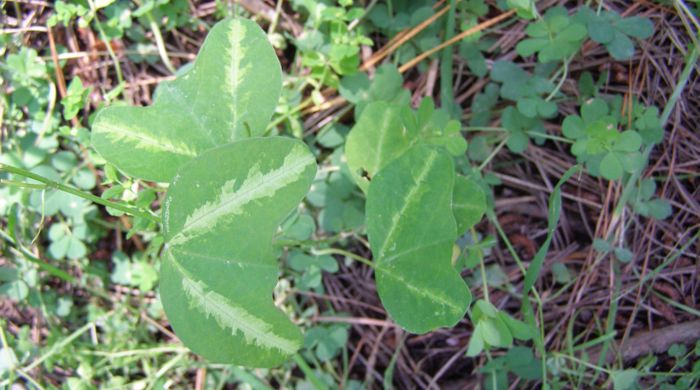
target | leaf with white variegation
[
  {"x": 412, "y": 229},
  {"x": 468, "y": 203},
  {"x": 229, "y": 94},
  {"x": 219, "y": 266},
  {"x": 378, "y": 137}
]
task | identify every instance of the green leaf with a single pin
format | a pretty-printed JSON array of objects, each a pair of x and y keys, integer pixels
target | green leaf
[
  {"x": 476, "y": 343},
  {"x": 621, "y": 47},
  {"x": 611, "y": 167},
  {"x": 219, "y": 267},
  {"x": 496, "y": 333},
  {"x": 659, "y": 208},
  {"x": 554, "y": 210},
  {"x": 468, "y": 203},
  {"x": 573, "y": 127},
  {"x": 594, "y": 110},
  {"x": 377, "y": 138},
  {"x": 629, "y": 141},
  {"x": 523, "y": 363},
  {"x": 624, "y": 380},
  {"x": 528, "y": 47},
  {"x": 528, "y": 106},
  {"x": 601, "y": 31},
  {"x": 635, "y": 26},
  {"x": 229, "y": 94},
  {"x": 412, "y": 230},
  {"x": 517, "y": 328},
  {"x": 623, "y": 254},
  {"x": 561, "y": 273}
]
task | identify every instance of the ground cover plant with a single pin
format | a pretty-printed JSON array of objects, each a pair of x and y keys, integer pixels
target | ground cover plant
[{"x": 322, "y": 194}]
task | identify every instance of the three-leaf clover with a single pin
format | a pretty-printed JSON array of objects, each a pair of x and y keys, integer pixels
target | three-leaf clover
[
  {"x": 615, "y": 32},
  {"x": 553, "y": 38},
  {"x": 525, "y": 89},
  {"x": 598, "y": 143},
  {"x": 519, "y": 127},
  {"x": 645, "y": 204}
]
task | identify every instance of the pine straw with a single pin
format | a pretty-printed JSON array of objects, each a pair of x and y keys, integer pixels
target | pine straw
[{"x": 437, "y": 359}]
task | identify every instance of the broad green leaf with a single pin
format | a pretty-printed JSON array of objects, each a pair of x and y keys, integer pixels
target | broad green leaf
[
  {"x": 468, "y": 203},
  {"x": 411, "y": 230},
  {"x": 229, "y": 94},
  {"x": 219, "y": 266},
  {"x": 377, "y": 138}
]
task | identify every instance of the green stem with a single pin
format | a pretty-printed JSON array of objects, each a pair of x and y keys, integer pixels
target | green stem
[
  {"x": 565, "y": 74},
  {"x": 82, "y": 194},
  {"x": 51, "y": 269},
  {"x": 335, "y": 251},
  {"x": 103, "y": 37},
  {"x": 549, "y": 136},
  {"x": 309, "y": 373},
  {"x": 493, "y": 154},
  {"x": 160, "y": 44},
  {"x": 446, "y": 88},
  {"x": 482, "y": 266},
  {"x": 690, "y": 64}
]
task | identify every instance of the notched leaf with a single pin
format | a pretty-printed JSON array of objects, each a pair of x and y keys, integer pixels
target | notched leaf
[
  {"x": 219, "y": 267},
  {"x": 412, "y": 229},
  {"x": 236, "y": 66}
]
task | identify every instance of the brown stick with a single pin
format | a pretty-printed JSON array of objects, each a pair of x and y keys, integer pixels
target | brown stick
[
  {"x": 654, "y": 341},
  {"x": 455, "y": 39}
]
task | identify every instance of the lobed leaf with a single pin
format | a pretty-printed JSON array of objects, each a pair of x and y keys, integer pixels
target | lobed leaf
[
  {"x": 378, "y": 137},
  {"x": 219, "y": 267},
  {"x": 411, "y": 230},
  {"x": 229, "y": 94}
]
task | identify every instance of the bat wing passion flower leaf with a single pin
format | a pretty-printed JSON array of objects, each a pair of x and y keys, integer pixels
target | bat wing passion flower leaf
[
  {"x": 229, "y": 94},
  {"x": 219, "y": 266}
]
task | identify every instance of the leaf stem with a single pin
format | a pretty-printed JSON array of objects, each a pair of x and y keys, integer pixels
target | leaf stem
[
  {"x": 160, "y": 44},
  {"x": 82, "y": 194},
  {"x": 309, "y": 373},
  {"x": 492, "y": 155},
  {"x": 482, "y": 266},
  {"x": 336, "y": 251}
]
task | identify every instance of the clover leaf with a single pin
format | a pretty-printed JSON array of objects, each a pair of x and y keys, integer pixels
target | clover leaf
[
  {"x": 553, "y": 38},
  {"x": 645, "y": 204},
  {"x": 599, "y": 144},
  {"x": 519, "y": 127},
  {"x": 615, "y": 32},
  {"x": 525, "y": 89}
]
